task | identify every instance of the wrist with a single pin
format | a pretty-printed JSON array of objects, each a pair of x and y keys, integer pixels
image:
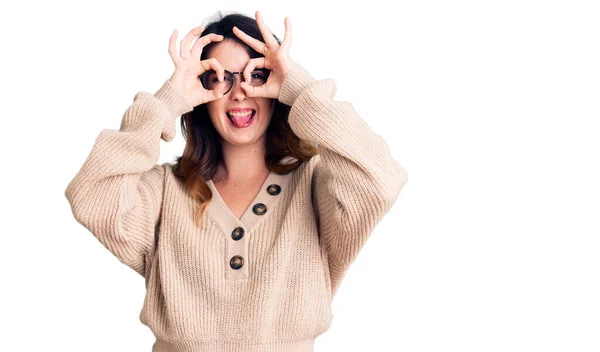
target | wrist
[
  {"x": 175, "y": 101},
  {"x": 286, "y": 68},
  {"x": 177, "y": 83}
]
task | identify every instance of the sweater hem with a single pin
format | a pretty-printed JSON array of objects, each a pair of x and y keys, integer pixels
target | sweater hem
[{"x": 213, "y": 345}]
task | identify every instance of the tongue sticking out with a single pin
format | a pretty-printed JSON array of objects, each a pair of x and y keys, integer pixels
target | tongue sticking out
[{"x": 240, "y": 121}]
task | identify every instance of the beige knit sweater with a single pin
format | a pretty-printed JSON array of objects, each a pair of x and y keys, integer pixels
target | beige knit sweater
[{"x": 293, "y": 257}]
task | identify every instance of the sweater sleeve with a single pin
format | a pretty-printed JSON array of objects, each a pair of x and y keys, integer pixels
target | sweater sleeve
[
  {"x": 117, "y": 193},
  {"x": 355, "y": 179}
]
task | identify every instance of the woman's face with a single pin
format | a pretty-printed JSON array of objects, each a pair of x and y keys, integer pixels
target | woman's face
[{"x": 234, "y": 58}]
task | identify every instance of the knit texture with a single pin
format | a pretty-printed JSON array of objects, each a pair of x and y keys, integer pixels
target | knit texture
[{"x": 293, "y": 257}]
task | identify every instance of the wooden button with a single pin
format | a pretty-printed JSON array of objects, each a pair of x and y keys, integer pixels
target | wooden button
[
  {"x": 237, "y": 233},
  {"x": 236, "y": 262},
  {"x": 259, "y": 209},
  {"x": 274, "y": 189}
]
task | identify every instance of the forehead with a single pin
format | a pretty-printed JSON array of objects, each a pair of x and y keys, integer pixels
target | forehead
[{"x": 231, "y": 55}]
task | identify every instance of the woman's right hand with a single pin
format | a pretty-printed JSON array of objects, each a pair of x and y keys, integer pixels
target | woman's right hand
[{"x": 188, "y": 66}]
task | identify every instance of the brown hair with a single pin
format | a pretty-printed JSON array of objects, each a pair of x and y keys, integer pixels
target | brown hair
[{"x": 203, "y": 152}]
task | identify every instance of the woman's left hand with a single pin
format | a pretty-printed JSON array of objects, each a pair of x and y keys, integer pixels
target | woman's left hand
[{"x": 276, "y": 59}]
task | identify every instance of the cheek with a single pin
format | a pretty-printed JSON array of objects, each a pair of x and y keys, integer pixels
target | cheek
[
  {"x": 266, "y": 109},
  {"x": 265, "y": 117}
]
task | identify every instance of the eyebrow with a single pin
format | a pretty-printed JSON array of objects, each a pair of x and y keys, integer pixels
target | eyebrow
[{"x": 256, "y": 69}]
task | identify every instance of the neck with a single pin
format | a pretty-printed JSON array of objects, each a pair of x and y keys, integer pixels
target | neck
[{"x": 242, "y": 163}]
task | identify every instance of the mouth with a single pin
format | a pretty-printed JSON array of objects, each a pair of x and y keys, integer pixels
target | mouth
[{"x": 241, "y": 119}]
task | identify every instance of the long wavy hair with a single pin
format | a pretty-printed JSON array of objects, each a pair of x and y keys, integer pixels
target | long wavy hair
[{"x": 203, "y": 152}]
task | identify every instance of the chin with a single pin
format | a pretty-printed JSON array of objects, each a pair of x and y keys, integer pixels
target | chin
[{"x": 245, "y": 135}]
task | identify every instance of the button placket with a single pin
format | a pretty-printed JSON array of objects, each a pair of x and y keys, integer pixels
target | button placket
[
  {"x": 237, "y": 261},
  {"x": 239, "y": 229}
]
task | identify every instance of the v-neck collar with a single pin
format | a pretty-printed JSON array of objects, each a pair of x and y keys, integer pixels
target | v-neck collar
[{"x": 218, "y": 210}]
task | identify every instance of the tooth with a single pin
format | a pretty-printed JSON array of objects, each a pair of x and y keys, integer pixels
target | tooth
[{"x": 241, "y": 113}]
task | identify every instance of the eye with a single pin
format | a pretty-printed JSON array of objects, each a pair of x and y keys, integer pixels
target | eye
[
  {"x": 259, "y": 76},
  {"x": 212, "y": 77}
]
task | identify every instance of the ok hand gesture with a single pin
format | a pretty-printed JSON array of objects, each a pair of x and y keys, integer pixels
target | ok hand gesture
[
  {"x": 188, "y": 66},
  {"x": 276, "y": 58}
]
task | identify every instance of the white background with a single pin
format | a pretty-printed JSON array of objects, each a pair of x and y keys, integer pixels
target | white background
[{"x": 491, "y": 106}]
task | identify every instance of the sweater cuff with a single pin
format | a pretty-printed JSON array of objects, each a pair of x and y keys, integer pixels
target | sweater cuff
[
  {"x": 294, "y": 83},
  {"x": 177, "y": 105}
]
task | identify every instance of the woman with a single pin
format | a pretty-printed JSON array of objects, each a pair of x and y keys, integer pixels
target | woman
[{"x": 245, "y": 240}]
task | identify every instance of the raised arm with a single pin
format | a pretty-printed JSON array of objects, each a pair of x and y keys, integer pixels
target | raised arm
[
  {"x": 355, "y": 181},
  {"x": 117, "y": 193}
]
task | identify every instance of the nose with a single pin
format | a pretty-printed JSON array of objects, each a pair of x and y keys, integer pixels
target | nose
[{"x": 237, "y": 92}]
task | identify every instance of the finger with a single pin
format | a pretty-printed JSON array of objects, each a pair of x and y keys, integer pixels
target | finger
[
  {"x": 204, "y": 41},
  {"x": 250, "y": 91},
  {"x": 248, "y": 70},
  {"x": 173, "y": 49},
  {"x": 184, "y": 47},
  {"x": 254, "y": 91},
  {"x": 213, "y": 94},
  {"x": 258, "y": 62},
  {"x": 287, "y": 38},
  {"x": 213, "y": 64},
  {"x": 267, "y": 35},
  {"x": 217, "y": 92},
  {"x": 210, "y": 95},
  {"x": 252, "y": 42}
]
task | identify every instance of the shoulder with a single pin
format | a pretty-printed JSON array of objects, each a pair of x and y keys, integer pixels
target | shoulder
[
  {"x": 155, "y": 175},
  {"x": 304, "y": 174},
  {"x": 169, "y": 177}
]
